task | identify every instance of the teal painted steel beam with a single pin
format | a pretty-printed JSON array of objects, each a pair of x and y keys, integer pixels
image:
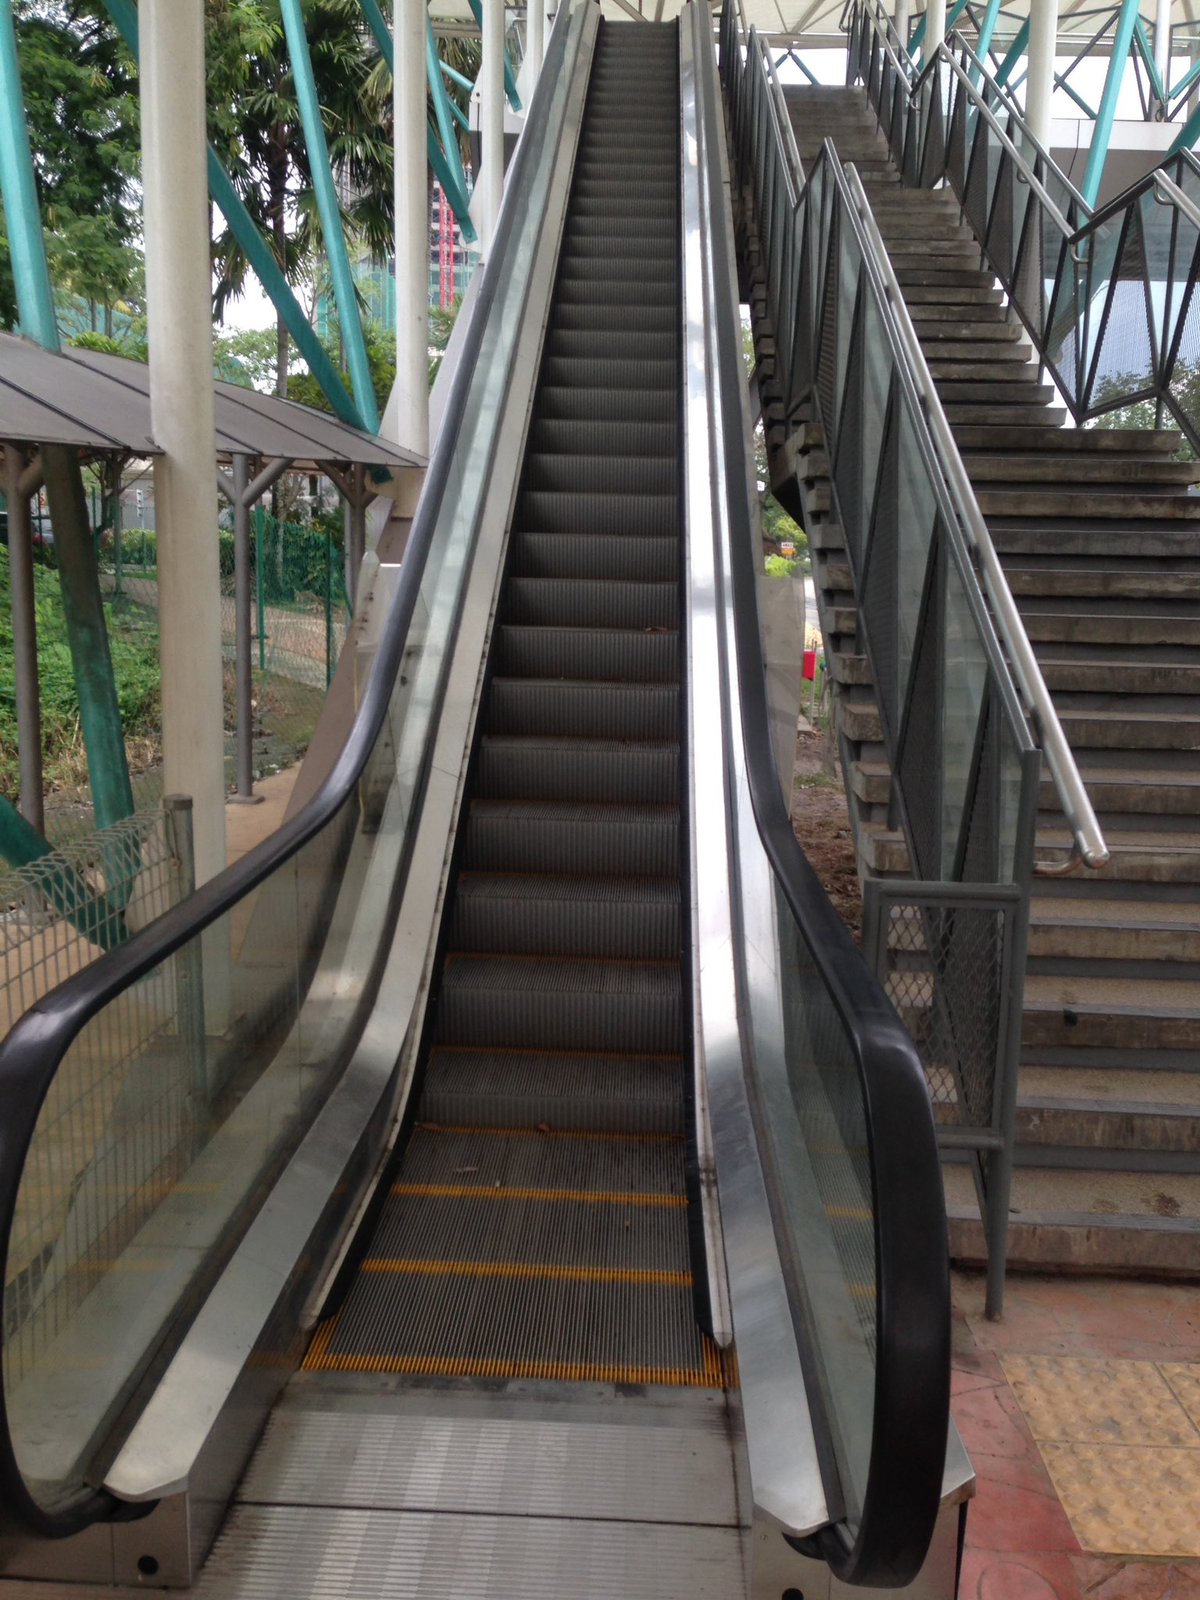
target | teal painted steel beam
[
  {"x": 1066, "y": 88},
  {"x": 330, "y": 213},
  {"x": 23, "y": 216},
  {"x": 1187, "y": 135},
  {"x": 97, "y": 916},
  {"x": 952, "y": 16},
  {"x": 450, "y": 178},
  {"x": 455, "y": 76},
  {"x": 1014, "y": 53},
  {"x": 984, "y": 43},
  {"x": 1106, "y": 114},
  {"x": 437, "y": 90},
  {"x": 1186, "y": 82},
  {"x": 260, "y": 256}
]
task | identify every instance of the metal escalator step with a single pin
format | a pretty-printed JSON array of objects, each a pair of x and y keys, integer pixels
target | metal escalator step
[
  {"x": 660, "y": 295},
  {"x": 548, "y": 510},
  {"x": 609, "y": 771},
  {"x": 563, "y": 836},
  {"x": 602, "y": 344},
  {"x": 582, "y": 915},
  {"x": 632, "y": 241},
  {"x": 589, "y": 603},
  {"x": 601, "y": 474},
  {"x": 591, "y": 373},
  {"x": 600, "y": 190},
  {"x": 585, "y": 437},
  {"x": 652, "y": 278},
  {"x": 594, "y": 654},
  {"x": 654, "y": 167},
  {"x": 555, "y": 1003},
  {"x": 560, "y": 1088},
  {"x": 561, "y": 402},
  {"x": 597, "y": 316},
  {"x": 594, "y": 555},
  {"x": 554, "y": 707}
]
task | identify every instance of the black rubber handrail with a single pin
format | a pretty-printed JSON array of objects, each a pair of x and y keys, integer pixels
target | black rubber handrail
[
  {"x": 33, "y": 1050},
  {"x": 911, "y": 1413}
]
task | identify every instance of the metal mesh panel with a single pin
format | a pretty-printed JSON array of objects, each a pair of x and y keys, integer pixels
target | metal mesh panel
[
  {"x": 920, "y": 751},
  {"x": 1124, "y": 357},
  {"x": 847, "y": 441},
  {"x": 975, "y": 189},
  {"x": 979, "y": 847},
  {"x": 1001, "y": 230},
  {"x": 828, "y": 335},
  {"x": 879, "y": 586}
]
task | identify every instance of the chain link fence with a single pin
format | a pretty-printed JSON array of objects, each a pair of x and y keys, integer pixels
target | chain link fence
[{"x": 299, "y": 623}]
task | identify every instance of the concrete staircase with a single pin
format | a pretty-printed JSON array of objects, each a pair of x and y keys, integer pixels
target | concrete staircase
[{"x": 1101, "y": 542}]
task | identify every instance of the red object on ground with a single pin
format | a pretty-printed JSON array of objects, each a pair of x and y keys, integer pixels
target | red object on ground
[{"x": 810, "y": 664}]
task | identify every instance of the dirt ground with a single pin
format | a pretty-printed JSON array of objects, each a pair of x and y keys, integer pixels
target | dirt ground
[{"x": 822, "y": 824}]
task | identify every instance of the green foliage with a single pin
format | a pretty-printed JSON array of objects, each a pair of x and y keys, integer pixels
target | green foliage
[
  {"x": 781, "y": 566},
  {"x": 134, "y": 646},
  {"x": 381, "y": 358},
  {"x": 79, "y": 88},
  {"x": 248, "y": 357},
  {"x": 1185, "y": 389},
  {"x": 441, "y": 326}
]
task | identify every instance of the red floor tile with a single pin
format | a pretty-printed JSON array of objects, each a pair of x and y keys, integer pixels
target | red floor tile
[{"x": 999, "y": 1575}]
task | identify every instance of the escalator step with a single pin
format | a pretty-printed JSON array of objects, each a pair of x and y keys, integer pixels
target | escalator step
[
  {"x": 586, "y": 437},
  {"x": 610, "y": 771},
  {"x": 606, "y": 316},
  {"x": 600, "y": 374},
  {"x": 552, "y": 1003},
  {"x": 559, "y": 836},
  {"x": 563, "y": 1089},
  {"x": 588, "y": 603},
  {"x": 582, "y": 276},
  {"x": 563, "y": 403},
  {"x": 549, "y": 707},
  {"x": 593, "y": 555},
  {"x": 601, "y": 474},
  {"x": 540, "y": 914},
  {"x": 582, "y": 344},
  {"x": 597, "y": 654},
  {"x": 547, "y": 510}
]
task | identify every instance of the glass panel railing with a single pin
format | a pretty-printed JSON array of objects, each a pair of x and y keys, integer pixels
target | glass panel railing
[{"x": 150, "y": 1100}]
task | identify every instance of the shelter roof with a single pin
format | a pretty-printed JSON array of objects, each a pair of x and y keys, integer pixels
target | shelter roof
[{"x": 101, "y": 403}]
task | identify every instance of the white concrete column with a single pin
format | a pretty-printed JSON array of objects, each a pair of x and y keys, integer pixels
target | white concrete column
[
  {"x": 1162, "y": 42},
  {"x": 935, "y": 27},
  {"x": 412, "y": 228},
  {"x": 900, "y": 18},
  {"x": 1039, "y": 84},
  {"x": 491, "y": 121},
  {"x": 179, "y": 328},
  {"x": 535, "y": 43}
]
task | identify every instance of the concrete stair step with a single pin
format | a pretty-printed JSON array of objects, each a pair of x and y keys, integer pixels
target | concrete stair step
[
  {"x": 1139, "y": 442},
  {"x": 988, "y": 326},
  {"x": 1103, "y": 583},
  {"x": 1032, "y": 413},
  {"x": 1109, "y": 627},
  {"x": 1098, "y": 728},
  {"x": 997, "y": 394},
  {"x": 1114, "y": 471},
  {"x": 1065, "y": 1219},
  {"x": 1153, "y": 540},
  {"x": 1005, "y": 364},
  {"x": 1110, "y": 930},
  {"x": 1120, "y": 1013},
  {"x": 1158, "y": 794},
  {"x": 1118, "y": 676},
  {"x": 1138, "y": 856},
  {"x": 931, "y": 298},
  {"x": 913, "y": 272},
  {"x": 1079, "y": 502}
]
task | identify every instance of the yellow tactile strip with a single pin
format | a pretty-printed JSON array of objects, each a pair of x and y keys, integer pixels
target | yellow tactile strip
[{"x": 1121, "y": 1442}]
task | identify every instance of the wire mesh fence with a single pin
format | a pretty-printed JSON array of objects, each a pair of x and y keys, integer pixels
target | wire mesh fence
[{"x": 299, "y": 622}]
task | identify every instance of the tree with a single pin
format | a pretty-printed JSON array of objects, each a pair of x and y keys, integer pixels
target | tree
[
  {"x": 254, "y": 123},
  {"x": 79, "y": 88}
]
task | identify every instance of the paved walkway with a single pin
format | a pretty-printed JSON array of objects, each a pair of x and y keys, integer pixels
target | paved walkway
[{"x": 1081, "y": 1414}]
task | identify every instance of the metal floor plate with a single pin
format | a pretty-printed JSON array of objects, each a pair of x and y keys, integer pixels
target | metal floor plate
[{"x": 300, "y": 1553}]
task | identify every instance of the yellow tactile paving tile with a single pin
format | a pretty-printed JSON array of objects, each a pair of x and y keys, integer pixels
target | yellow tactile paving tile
[
  {"x": 1129, "y": 1501},
  {"x": 1095, "y": 1401},
  {"x": 1121, "y": 1442}
]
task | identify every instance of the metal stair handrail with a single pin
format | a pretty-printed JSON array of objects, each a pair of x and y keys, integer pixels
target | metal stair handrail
[
  {"x": 1089, "y": 846},
  {"x": 934, "y": 121}
]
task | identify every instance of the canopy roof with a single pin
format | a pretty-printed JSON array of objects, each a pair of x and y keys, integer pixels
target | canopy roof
[{"x": 101, "y": 403}]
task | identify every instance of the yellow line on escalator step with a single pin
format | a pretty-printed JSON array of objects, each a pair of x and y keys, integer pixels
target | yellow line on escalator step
[
  {"x": 534, "y": 1269},
  {"x": 477, "y": 1191},
  {"x": 717, "y": 1371},
  {"x": 548, "y": 1133}
]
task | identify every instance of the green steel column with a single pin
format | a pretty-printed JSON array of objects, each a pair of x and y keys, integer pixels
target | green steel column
[
  {"x": 258, "y": 588},
  {"x": 327, "y": 206},
  {"x": 986, "y": 29},
  {"x": 1106, "y": 114},
  {"x": 35, "y": 303},
  {"x": 1014, "y": 53},
  {"x": 87, "y": 633}
]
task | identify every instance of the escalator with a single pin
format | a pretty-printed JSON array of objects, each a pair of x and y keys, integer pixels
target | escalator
[
  {"x": 536, "y": 1225},
  {"x": 547, "y": 1071}
]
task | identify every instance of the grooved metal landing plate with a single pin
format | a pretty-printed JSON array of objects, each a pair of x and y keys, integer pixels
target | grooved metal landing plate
[
  {"x": 301, "y": 1553},
  {"x": 529, "y": 1467}
]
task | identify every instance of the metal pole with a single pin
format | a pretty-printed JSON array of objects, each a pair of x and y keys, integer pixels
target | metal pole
[
  {"x": 258, "y": 587},
  {"x": 328, "y": 609},
  {"x": 27, "y": 250},
  {"x": 24, "y": 632},
  {"x": 243, "y": 644},
  {"x": 491, "y": 120},
  {"x": 1039, "y": 83},
  {"x": 412, "y": 227},
  {"x": 1162, "y": 43},
  {"x": 349, "y": 565},
  {"x": 189, "y": 965},
  {"x": 1106, "y": 114},
  {"x": 901, "y": 20},
  {"x": 535, "y": 18},
  {"x": 179, "y": 319},
  {"x": 934, "y": 30},
  {"x": 117, "y": 551}
]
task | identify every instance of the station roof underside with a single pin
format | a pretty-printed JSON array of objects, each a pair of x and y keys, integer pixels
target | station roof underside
[
  {"x": 101, "y": 403},
  {"x": 814, "y": 23}
]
